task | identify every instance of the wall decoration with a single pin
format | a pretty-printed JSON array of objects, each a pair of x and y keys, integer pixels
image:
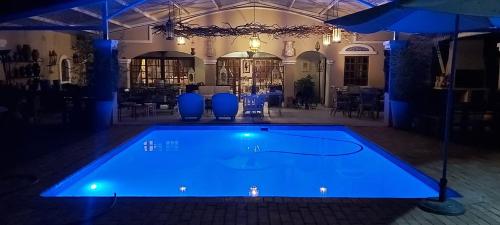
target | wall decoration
[
  {"x": 246, "y": 66},
  {"x": 288, "y": 49},
  {"x": 249, "y": 29}
]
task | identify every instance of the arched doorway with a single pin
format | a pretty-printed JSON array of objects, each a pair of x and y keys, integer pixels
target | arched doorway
[
  {"x": 313, "y": 64},
  {"x": 235, "y": 69},
  {"x": 165, "y": 68},
  {"x": 64, "y": 70}
]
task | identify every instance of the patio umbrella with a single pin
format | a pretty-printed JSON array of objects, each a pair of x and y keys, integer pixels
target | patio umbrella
[
  {"x": 430, "y": 17},
  {"x": 464, "y": 7},
  {"x": 410, "y": 16}
]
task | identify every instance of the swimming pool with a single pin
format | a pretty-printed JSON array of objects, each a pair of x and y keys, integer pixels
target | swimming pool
[{"x": 248, "y": 160}]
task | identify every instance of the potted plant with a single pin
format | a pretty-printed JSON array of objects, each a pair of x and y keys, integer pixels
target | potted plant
[
  {"x": 305, "y": 90},
  {"x": 410, "y": 67}
]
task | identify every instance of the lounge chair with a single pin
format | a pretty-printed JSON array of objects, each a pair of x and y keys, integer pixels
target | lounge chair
[
  {"x": 225, "y": 105},
  {"x": 191, "y": 106}
]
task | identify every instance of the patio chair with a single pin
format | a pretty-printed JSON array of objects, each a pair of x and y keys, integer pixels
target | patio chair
[
  {"x": 253, "y": 105},
  {"x": 225, "y": 105},
  {"x": 190, "y": 106},
  {"x": 274, "y": 99},
  {"x": 368, "y": 101}
]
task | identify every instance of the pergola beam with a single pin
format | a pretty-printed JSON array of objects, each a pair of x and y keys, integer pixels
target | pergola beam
[
  {"x": 366, "y": 3},
  {"x": 59, "y": 24},
  {"x": 298, "y": 11},
  {"x": 126, "y": 8},
  {"x": 42, "y": 9},
  {"x": 331, "y": 5},
  {"x": 97, "y": 16},
  {"x": 180, "y": 7},
  {"x": 145, "y": 14},
  {"x": 216, "y": 5},
  {"x": 291, "y": 4},
  {"x": 51, "y": 27}
]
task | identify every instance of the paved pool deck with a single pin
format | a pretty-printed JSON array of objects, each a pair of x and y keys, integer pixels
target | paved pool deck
[{"x": 473, "y": 171}]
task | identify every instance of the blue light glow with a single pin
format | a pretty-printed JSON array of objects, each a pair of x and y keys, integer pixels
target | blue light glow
[
  {"x": 241, "y": 161},
  {"x": 246, "y": 135}
]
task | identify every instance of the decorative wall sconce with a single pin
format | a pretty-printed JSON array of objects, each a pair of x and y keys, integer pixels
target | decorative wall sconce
[
  {"x": 317, "y": 46},
  {"x": 52, "y": 58}
]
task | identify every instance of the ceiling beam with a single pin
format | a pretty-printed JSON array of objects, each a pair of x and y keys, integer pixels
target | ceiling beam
[
  {"x": 126, "y": 8},
  {"x": 51, "y": 27},
  {"x": 97, "y": 16},
  {"x": 291, "y": 4},
  {"x": 58, "y": 23},
  {"x": 331, "y": 5},
  {"x": 216, "y": 5},
  {"x": 298, "y": 11},
  {"x": 180, "y": 7},
  {"x": 145, "y": 14},
  {"x": 366, "y": 3},
  {"x": 43, "y": 9}
]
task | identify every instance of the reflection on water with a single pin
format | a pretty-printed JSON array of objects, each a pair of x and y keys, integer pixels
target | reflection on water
[
  {"x": 295, "y": 163},
  {"x": 161, "y": 146}
]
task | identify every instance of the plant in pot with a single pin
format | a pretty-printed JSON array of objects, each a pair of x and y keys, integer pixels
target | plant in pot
[
  {"x": 409, "y": 70},
  {"x": 305, "y": 90}
]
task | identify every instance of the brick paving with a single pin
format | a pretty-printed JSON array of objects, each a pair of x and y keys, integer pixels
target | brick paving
[{"x": 474, "y": 172}]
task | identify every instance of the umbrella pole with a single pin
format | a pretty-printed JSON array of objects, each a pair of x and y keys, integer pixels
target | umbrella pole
[{"x": 442, "y": 205}]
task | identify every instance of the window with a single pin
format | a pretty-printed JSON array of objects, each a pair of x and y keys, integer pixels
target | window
[
  {"x": 154, "y": 71},
  {"x": 65, "y": 71},
  {"x": 356, "y": 70}
]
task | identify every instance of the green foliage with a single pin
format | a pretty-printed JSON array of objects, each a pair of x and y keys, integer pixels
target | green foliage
[
  {"x": 83, "y": 57},
  {"x": 411, "y": 69},
  {"x": 305, "y": 85}
]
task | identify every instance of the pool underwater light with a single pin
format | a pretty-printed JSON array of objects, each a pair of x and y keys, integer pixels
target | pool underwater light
[
  {"x": 93, "y": 186},
  {"x": 254, "y": 191},
  {"x": 323, "y": 190},
  {"x": 182, "y": 188}
]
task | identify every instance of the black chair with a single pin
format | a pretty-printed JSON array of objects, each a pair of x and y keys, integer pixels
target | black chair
[
  {"x": 274, "y": 99},
  {"x": 369, "y": 101}
]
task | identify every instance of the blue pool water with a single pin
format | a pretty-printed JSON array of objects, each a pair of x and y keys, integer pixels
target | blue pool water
[{"x": 249, "y": 160}]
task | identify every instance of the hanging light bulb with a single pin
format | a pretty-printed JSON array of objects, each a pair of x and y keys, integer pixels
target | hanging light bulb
[
  {"x": 337, "y": 32},
  {"x": 254, "y": 43},
  {"x": 327, "y": 39},
  {"x": 336, "y": 35},
  {"x": 181, "y": 40}
]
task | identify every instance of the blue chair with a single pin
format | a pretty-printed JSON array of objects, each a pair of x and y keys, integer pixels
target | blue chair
[
  {"x": 191, "y": 106},
  {"x": 254, "y": 105},
  {"x": 225, "y": 105}
]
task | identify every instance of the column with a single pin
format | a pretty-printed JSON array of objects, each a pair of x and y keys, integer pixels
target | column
[
  {"x": 124, "y": 81},
  {"x": 394, "y": 49},
  {"x": 210, "y": 71},
  {"x": 290, "y": 71},
  {"x": 328, "y": 87},
  {"x": 103, "y": 84},
  {"x": 498, "y": 87}
]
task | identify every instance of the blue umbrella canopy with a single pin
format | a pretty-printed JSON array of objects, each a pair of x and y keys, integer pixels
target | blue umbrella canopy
[
  {"x": 464, "y": 7},
  {"x": 430, "y": 17},
  {"x": 410, "y": 17}
]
